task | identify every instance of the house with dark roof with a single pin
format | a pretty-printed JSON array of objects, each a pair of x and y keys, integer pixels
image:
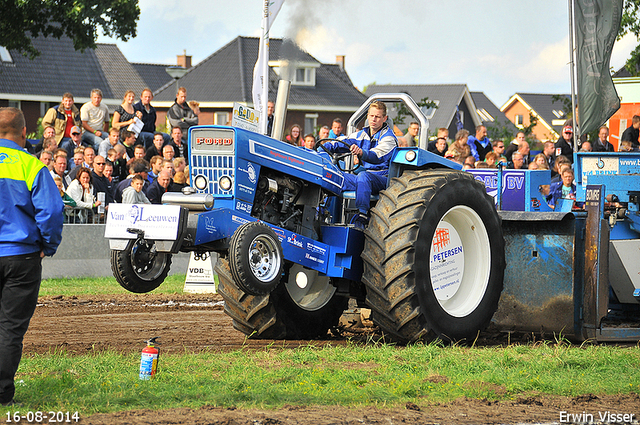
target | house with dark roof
[
  {"x": 547, "y": 108},
  {"x": 36, "y": 85},
  {"x": 319, "y": 92},
  {"x": 490, "y": 114}
]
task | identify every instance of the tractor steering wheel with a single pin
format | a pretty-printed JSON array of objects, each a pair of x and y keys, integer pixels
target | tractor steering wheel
[{"x": 335, "y": 156}]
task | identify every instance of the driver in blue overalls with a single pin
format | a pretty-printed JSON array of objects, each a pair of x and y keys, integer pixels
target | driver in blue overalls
[{"x": 374, "y": 145}]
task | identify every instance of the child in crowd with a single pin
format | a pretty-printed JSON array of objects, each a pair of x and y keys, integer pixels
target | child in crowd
[
  {"x": 67, "y": 200},
  {"x": 491, "y": 159},
  {"x": 564, "y": 189},
  {"x": 625, "y": 146},
  {"x": 179, "y": 164},
  {"x": 309, "y": 141},
  {"x": 541, "y": 162},
  {"x": 134, "y": 194}
]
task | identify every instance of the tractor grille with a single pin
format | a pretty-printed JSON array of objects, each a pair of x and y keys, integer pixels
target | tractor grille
[{"x": 213, "y": 167}]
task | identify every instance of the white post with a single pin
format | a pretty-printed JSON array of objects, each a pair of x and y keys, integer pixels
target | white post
[
  {"x": 265, "y": 69},
  {"x": 572, "y": 36}
]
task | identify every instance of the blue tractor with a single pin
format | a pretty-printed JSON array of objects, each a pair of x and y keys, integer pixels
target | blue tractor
[{"x": 429, "y": 265}]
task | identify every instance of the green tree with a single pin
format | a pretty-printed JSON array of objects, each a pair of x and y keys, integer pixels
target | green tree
[
  {"x": 501, "y": 130},
  {"x": 528, "y": 129},
  {"x": 631, "y": 24},
  {"x": 506, "y": 131},
  {"x": 20, "y": 20}
]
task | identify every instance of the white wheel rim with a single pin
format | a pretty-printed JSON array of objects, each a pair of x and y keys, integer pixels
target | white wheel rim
[
  {"x": 264, "y": 258},
  {"x": 461, "y": 262},
  {"x": 309, "y": 292}
]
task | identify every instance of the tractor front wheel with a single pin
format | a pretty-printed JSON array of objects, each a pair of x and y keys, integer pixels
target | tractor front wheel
[{"x": 139, "y": 267}]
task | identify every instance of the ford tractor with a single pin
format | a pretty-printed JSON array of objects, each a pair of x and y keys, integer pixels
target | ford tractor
[{"x": 429, "y": 265}]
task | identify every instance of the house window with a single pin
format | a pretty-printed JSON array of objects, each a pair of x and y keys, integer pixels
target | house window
[
  {"x": 45, "y": 106},
  {"x": 519, "y": 120},
  {"x": 221, "y": 118},
  {"x": 5, "y": 56},
  {"x": 486, "y": 116},
  {"x": 301, "y": 75},
  {"x": 310, "y": 122},
  {"x": 304, "y": 77},
  {"x": 430, "y": 111},
  {"x": 13, "y": 104}
]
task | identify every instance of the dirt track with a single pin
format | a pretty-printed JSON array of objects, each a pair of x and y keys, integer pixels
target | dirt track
[{"x": 195, "y": 322}]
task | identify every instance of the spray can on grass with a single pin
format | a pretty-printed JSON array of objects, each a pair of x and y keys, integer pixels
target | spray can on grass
[{"x": 149, "y": 359}]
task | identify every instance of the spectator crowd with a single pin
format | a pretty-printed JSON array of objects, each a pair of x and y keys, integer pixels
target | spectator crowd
[
  {"x": 478, "y": 151},
  {"x": 95, "y": 160}
]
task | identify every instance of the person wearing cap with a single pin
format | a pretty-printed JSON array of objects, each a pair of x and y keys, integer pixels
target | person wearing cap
[
  {"x": 74, "y": 142},
  {"x": 631, "y": 134},
  {"x": 564, "y": 144}
]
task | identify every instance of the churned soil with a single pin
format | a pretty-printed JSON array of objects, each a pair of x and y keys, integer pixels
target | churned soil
[{"x": 192, "y": 323}]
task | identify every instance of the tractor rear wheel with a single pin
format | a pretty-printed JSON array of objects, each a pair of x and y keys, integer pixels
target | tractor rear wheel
[
  {"x": 434, "y": 257},
  {"x": 307, "y": 312}
]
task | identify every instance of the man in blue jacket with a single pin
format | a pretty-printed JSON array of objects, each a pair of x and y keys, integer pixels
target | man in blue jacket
[
  {"x": 30, "y": 228},
  {"x": 374, "y": 145},
  {"x": 480, "y": 144}
]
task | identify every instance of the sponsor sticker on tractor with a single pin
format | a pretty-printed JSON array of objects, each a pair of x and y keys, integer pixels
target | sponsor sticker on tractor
[
  {"x": 446, "y": 260},
  {"x": 159, "y": 222}
]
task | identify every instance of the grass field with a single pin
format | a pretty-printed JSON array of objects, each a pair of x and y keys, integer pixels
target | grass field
[
  {"x": 102, "y": 286},
  {"x": 353, "y": 375}
]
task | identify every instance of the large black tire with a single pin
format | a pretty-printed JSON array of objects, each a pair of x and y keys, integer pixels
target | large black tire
[
  {"x": 255, "y": 258},
  {"x": 275, "y": 315},
  {"x": 398, "y": 257},
  {"x": 137, "y": 269}
]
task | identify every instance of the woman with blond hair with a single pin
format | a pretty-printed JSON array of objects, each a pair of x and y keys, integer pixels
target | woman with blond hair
[
  {"x": 125, "y": 115},
  {"x": 541, "y": 161}
]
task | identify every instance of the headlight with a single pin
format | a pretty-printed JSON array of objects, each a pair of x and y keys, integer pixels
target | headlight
[
  {"x": 200, "y": 182},
  {"x": 302, "y": 280},
  {"x": 225, "y": 183},
  {"x": 410, "y": 156}
]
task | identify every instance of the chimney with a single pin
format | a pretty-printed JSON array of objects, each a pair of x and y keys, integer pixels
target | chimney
[
  {"x": 340, "y": 61},
  {"x": 184, "y": 60}
]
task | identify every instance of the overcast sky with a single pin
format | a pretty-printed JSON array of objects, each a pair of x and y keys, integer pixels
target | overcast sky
[{"x": 499, "y": 47}]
